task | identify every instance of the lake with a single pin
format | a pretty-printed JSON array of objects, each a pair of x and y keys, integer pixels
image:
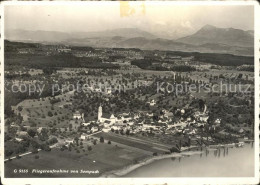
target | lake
[{"x": 222, "y": 162}]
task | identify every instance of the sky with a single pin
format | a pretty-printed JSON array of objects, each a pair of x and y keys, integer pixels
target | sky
[{"x": 166, "y": 20}]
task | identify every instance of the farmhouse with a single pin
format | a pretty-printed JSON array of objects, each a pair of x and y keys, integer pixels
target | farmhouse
[
  {"x": 86, "y": 124},
  {"x": 18, "y": 139},
  {"x": 77, "y": 115},
  {"x": 21, "y": 133},
  {"x": 152, "y": 102},
  {"x": 69, "y": 141},
  {"x": 83, "y": 136}
]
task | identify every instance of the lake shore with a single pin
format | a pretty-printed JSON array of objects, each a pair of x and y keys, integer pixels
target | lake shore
[
  {"x": 128, "y": 169},
  {"x": 187, "y": 151}
]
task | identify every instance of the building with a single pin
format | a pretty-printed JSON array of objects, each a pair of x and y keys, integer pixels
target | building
[
  {"x": 204, "y": 118},
  {"x": 108, "y": 119},
  {"x": 18, "y": 139},
  {"x": 94, "y": 129},
  {"x": 83, "y": 136},
  {"x": 86, "y": 124},
  {"x": 152, "y": 102},
  {"x": 218, "y": 121},
  {"x": 21, "y": 133},
  {"x": 39, "y": 130},
  {"x": 69, "y": 141},
  {"x": 241, "y": 131},
  {"x": 64, "y": 50},
  {"x": 77, "y": 115}
]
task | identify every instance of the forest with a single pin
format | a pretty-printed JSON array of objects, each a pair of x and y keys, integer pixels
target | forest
[{"x": 215, "y": 58}]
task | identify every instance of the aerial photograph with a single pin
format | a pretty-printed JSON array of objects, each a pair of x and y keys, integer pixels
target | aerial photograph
[{"x": 129, "y": 90}]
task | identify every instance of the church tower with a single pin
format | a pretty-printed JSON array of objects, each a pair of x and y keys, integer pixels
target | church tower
[{"x": 99, "y": 113}]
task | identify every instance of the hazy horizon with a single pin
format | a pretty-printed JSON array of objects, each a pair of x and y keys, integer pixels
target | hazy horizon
[
  {"x": 168, "y": 21},
  {"x": 120, "y": 28}
]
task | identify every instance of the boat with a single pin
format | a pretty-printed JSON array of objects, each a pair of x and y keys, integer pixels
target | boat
[{"x": 240, "y": 144}]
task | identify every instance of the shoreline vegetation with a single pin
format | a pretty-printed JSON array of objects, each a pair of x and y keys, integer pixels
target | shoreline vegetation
[
  {"x": 125, "y": 170},
  {"x": 186, "y": 151}
]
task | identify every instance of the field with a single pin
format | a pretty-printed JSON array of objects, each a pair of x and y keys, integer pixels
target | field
[
  {"x": 134, "y": 142},
  {"x": 36, "y": 111},
  {"x": 103, "y": 157}
]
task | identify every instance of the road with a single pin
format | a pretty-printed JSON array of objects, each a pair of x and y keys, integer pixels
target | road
[
  {"x": 27, "y": 153},
  {"x": 156, "y": 145}
]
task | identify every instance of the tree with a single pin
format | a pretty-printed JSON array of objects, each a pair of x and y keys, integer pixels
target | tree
[
  {"x": 50, "y": 114},
  {"x": 8, "y": 152},
  {"x": 20, "y": 108},
  {"x": 48, "y": 70},
  {"x": 52, "y": 141},
  {"x": 77, "y": 140},
  {"x": 201, "y": 104},
  {"x": 174, "y": 149},
  {"x": 43, "y": 136},
  {"x": 45, "y": 147},
  {"x": 31, "y": 132},
  {"x": 35, "y": 144},
  {"x": 34, "y": 151},
  {"x": 101, "y": 139}
]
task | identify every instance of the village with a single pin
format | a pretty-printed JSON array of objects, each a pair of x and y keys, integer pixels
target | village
[
  {"x": 162, "y": 91},
  {"x": 165, "y": 108}
]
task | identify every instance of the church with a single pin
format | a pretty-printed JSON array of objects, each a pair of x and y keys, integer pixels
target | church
[
  {"x": 105, "y": 118},
  {"x": 109, "y": 120}
]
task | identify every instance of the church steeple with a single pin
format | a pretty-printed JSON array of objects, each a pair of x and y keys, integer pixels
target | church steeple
[{"x": 99, "y": 113}]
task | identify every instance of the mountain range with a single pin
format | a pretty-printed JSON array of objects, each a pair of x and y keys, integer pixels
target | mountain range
[
  {"x": 227, "y": 36},
  {"x": 208, "y": 39}
]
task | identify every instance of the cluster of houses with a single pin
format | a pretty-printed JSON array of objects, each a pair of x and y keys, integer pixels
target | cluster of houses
[
  {"x": 90, "y": 54},
  {"x": 143, "y": 122},
  {"x": 44, "y": 49},
  {"x": 21, "y": 133},
  {"x": 125, "y": 54}
]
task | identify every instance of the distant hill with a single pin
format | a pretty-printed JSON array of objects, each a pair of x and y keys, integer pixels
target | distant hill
[
  {"x": 55, "y": 36},
  {"x": 227, "y": 36},
  {"x": 120, "y": 32},
  {"x": 160, "y": 44},
  {"x": 209, "y": 39},
  {"x": 36, "y": 36}
]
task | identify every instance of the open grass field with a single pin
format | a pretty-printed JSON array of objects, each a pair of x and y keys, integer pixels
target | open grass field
[
  {"x": 132, "y": 142},
  {"x": 36, "y": 111},
  {"x": 103, "y": 157},
  {"x": 204, "y": 75}
]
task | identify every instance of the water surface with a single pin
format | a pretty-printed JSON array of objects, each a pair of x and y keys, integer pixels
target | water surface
[{"x": 223, "y": 162}]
